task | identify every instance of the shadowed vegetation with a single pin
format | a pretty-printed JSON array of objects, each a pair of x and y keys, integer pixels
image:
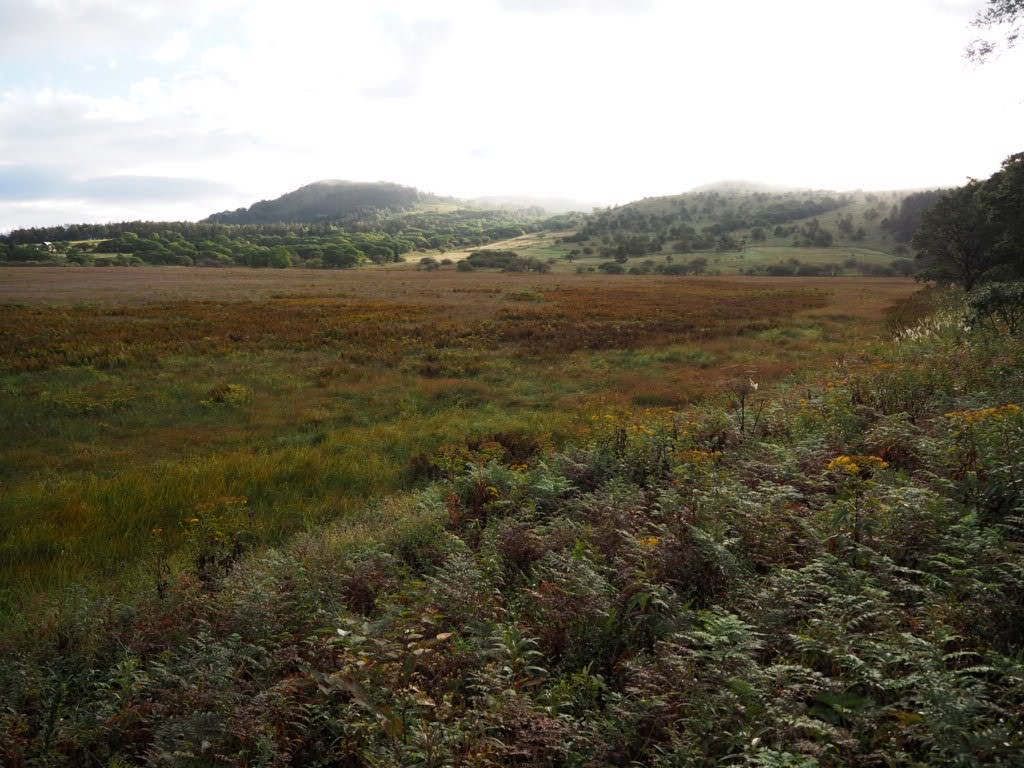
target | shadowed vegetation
[{"x": 828, "y": 573}]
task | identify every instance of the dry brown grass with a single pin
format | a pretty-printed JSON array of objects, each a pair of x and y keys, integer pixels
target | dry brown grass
[
  {"x": 106, "y": 426},
  {"x": 143, "y": 285},
  {"x": 105, "y": 317}
]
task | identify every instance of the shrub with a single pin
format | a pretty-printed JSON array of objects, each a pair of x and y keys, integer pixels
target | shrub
[
  {"x": 999, "y": 306},
  {"x": 229, "y": 394}
]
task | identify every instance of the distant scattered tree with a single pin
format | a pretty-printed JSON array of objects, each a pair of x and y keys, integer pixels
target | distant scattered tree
[
  {"x": 341, "y": 255},
  {"x": 27, "y": 253},
  {"x": 727, "y": 243},
  {"x": 902, "y": 224},
  {"x": 902, "y": 267},
  {"x": 279, "y": 257},
  {"x": 810, "y": 270}
]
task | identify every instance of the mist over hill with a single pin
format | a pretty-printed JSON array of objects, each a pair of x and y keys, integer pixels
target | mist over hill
[
  {"x": 743, "y": 185},
  {"x": 552, "y": 205},
  {"x": 328, "y": 200}
]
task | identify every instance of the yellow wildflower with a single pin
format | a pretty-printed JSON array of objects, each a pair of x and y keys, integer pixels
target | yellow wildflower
[
  {"x": 856, "y": 465},
  {"x": 985, "y": 414},
  {"x": 697, "y": 457},
  {"x": 650, "y": 541}
]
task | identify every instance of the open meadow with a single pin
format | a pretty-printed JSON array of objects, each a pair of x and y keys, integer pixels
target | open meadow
[{"x": 138, "y": 405}]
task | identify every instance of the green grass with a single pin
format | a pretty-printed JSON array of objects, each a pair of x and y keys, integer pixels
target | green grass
[
  {"x": 764, "y": 583},
  {"x": 120, "y": 418},
  {"x": 97, "y": 459}
]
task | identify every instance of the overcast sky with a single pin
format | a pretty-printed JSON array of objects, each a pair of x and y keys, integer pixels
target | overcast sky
[{"x": 112, "y": 110}]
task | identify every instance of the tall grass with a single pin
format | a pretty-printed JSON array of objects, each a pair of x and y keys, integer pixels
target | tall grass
[{"x": 118, "y": 419}]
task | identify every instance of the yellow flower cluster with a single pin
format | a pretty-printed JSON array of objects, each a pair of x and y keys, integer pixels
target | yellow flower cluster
[
  {"x": 856, "y": 465},
  {"x": 650, "y": 541},
  {"x": 985, "y": 414}
]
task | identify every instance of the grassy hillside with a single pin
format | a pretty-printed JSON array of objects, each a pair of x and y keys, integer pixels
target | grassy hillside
[
  {"x": 737, "y": 231},
  {"x": 828, "y": 573}
]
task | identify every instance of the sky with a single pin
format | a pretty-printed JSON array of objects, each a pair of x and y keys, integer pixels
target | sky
[{"x": 173, "y": 110}]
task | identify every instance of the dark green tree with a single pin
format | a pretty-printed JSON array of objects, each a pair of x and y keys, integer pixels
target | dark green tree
[
  {"x": 1002, "y": 197},
  {"x": 975, "y": 233},
  {"x": 954, "y": 239}
]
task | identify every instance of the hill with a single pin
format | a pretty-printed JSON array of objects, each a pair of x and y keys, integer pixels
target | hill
[
  {"x": 330, "y": 200},
  {"x": 731, "y": 227},
  {"x": 737, "y": 227}
]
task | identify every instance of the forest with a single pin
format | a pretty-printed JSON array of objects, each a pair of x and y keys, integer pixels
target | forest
[{"x": 377, "y": 238}]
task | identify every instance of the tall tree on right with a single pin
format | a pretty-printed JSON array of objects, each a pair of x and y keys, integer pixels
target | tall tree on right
[
  {"x": 975, "y": 233},
  {"x": 1002, "y": 197},
  {"x": 953, "y": 240},
  {"x": 1003, "y": 14}
]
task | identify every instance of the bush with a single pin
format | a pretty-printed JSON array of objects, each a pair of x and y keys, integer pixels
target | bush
[
  {"x": 229, "y": 394},
  {"x": 999, "y": 306}
]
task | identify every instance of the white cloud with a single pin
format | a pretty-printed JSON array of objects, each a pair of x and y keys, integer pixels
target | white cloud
[
  {"x": 173, "y": 48},
  {"x": 592, "y": 98}
]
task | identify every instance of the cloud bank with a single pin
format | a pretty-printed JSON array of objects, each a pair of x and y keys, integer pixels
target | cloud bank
[{"x": 170, "y": 109}]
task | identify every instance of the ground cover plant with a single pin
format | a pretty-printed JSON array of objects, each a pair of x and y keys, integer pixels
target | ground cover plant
[
  {"x": 829, "y": 573},
  {"x": 132, "y": 399}
]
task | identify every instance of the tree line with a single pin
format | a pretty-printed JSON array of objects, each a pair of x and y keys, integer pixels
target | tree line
[
  {"x": 380, "y": 238},
  {"x": 974, "y": 234}
]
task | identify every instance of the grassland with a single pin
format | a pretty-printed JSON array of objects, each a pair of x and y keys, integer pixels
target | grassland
[
  {"x": 133, "y": 400},
  {"x": 547, "y": 247},
  {"x": 829, "y": 577}
]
